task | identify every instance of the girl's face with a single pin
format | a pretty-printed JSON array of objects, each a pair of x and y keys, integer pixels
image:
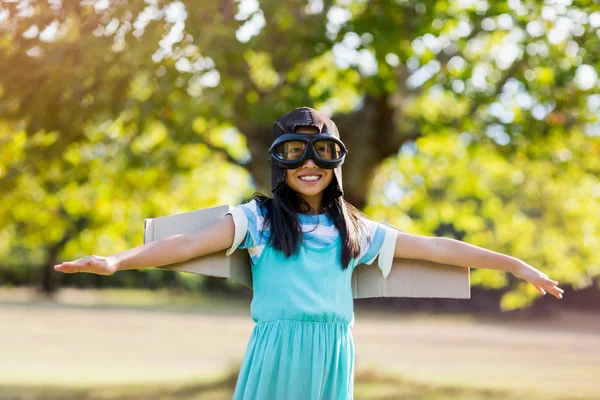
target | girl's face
[{"x": 309, "y": 180}]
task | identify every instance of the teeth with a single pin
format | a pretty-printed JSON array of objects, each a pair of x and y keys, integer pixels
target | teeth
[{"x": 310, "y": 178}]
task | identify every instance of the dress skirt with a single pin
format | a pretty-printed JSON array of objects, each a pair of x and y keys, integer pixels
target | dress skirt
[{"x": 297, "y": 360}]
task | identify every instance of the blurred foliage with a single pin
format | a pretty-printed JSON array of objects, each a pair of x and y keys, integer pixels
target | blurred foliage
[
  {"x": 520, "y": 206},
  {"x": 472, "y": 119}
]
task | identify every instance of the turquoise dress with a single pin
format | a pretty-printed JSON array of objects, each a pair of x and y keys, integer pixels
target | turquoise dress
[{"x": 301, "y": 347}]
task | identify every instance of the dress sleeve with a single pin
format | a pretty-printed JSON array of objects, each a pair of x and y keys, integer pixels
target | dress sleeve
[
  {"x": 248, "y": 220},
  {"x": 377, "y": 239}
]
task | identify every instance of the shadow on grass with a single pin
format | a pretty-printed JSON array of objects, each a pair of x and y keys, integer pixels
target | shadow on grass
[
  {"x": 369, "y": 385},
  {"x": 218, "y": 389}
]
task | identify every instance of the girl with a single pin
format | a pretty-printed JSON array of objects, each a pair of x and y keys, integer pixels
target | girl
[{"x": 304, "y": 244}]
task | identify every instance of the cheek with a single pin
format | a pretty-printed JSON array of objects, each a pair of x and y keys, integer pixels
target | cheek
[{"x": 289, "y": 174}]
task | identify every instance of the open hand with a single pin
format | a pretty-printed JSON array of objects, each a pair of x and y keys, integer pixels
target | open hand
[
  {"x": 538, "y": 279},
  {"x": 91, "y": 264}
]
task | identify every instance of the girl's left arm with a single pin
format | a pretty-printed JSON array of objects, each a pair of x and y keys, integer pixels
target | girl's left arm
[{"x": 444, "y": 250}]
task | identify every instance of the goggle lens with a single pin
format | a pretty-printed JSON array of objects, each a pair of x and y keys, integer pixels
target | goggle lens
[
  {"x": 290, "y": 151},
  {"x": 328, "y": 150}
]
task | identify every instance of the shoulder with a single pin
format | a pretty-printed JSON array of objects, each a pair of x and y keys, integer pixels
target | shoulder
[
  {"x": 255, "y": 212},
  {"x": 251, "y": 227},
  {"x": 367, "y": 227},
  {"x": 253, "y": 208},
  {"x": 372, "y": 236}
]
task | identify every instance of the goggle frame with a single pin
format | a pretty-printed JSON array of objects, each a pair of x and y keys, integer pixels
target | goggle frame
[{"x": 309, "y": 151}]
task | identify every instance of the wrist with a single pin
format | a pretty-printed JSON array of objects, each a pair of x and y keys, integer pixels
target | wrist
[
  {"x": 114, "y": 264},
  {"x": 516, "y": 266}
]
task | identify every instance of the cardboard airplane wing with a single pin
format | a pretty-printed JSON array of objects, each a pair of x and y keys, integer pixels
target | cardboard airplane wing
[
  {"x": 236, "y": 266},
  {"x": 408, "y": 278}
]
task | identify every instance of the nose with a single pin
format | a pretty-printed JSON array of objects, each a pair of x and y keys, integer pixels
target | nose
[{"x": 309, "y": 163}]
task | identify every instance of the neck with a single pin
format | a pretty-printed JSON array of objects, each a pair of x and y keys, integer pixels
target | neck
[{"x": 315, "y": 203}]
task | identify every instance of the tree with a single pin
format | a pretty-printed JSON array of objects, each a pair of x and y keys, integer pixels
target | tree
[{"x": 515, "y": 83}]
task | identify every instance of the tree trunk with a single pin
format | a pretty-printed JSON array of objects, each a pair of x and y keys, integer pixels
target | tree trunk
[{"x": 48, "y": 283}]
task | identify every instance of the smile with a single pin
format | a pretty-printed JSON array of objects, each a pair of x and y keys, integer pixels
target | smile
[{"x": 310, "y": 178}]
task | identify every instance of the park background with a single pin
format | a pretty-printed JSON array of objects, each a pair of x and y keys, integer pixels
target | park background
[{"x": 470, "y": 119}]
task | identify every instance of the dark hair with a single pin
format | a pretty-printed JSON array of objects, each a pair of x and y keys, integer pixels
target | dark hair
[{"x": 286, "y": 231}]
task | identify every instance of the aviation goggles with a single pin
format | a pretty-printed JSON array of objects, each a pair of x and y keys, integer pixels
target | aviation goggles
[{"x": 291, "y": 150}]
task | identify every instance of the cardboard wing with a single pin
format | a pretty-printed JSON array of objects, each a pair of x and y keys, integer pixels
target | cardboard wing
[
  {"x": 408, "y": 278},
  {"x": 412, "y": 278},
  {"x": 236, "y": 266}
]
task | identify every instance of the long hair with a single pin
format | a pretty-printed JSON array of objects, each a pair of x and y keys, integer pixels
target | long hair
[{"x": 286, "y": 230}]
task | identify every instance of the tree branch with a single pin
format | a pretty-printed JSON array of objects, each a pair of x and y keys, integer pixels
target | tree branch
[
  {"x": 188, "y": 132},
  {"x": 223, "y": 151}
]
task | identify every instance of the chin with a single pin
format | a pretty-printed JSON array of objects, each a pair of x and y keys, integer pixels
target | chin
[{"x": 311, "y": 192}]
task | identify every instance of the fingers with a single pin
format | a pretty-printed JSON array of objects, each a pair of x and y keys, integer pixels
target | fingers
[
  {"x": 552, "y": 289},
  {"x": 541, "y": 290},
  {"x": 68, "y": 267},
  {"x": 557, "y": 292},
  {"x": 71, "y": 267},
  {"x": 547, "y": 285}
]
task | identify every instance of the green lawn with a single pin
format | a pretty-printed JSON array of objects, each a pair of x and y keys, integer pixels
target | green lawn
[
  {"x": 121, "y": 344},
  {"x": 368, "y": 386}
]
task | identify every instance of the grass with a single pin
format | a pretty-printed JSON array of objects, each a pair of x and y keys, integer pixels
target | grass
[
  {"x": 93, "y": 345},
  {"x": 369, "y": 385},
  {"x": 161, "y": 299}
]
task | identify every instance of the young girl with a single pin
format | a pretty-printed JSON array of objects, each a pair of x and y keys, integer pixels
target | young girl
[{"x": 304, "y": 244}]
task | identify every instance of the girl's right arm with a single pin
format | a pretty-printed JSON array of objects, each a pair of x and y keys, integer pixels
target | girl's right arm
[{"x": 169, "y": 250}]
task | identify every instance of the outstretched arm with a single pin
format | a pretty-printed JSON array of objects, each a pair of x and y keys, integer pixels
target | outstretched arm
[
  {"x": 444, "y": 250},
  {"x": 169, "y": 250}
]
